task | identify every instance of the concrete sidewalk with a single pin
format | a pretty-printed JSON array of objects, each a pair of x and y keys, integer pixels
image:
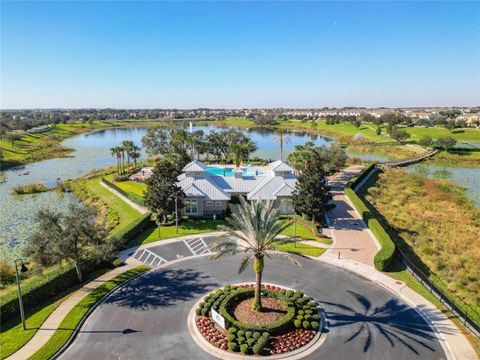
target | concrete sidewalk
[{"x": 52, "y": 323}]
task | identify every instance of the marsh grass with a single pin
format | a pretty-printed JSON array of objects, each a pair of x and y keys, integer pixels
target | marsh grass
[
  {"x": 434, "y": 221},
  {"x": 32, "y": 188}
]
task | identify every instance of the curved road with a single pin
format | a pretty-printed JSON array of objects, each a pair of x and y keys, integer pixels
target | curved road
[{"x": 147, "y": 318}]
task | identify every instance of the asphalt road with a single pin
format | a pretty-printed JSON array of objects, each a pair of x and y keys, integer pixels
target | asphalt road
[{"x": 147, "y": 319}]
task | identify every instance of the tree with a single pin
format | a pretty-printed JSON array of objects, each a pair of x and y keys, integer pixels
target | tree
[
  {"x": 162, "y": 189},
  {"x": 425, "y": 141},
  {"x": 157, "y": 140},
  {"x": 258, "y": 226},
  {"x": 115, "y": 151},
  {"x": 379, "y": 130},
  {"x": 128, "y": 147},
  {"x": 241, "y": 152},
  {"x": 399, "y": 135},
  {"x": 75, "y": 237},
  {"x": 135, "y": 155},
  {"x": 450, "y": 125},
  {"x": 281, "y": 138},
  {"x": 446, "y": 142},
  {"x": 325, "y": 159},
  {"x": 13, "y": 136},
  {"x": 310, "y": 196}
]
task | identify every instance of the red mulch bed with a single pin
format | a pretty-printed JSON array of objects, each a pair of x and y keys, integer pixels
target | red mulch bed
[{"x": 273, "y": 310}]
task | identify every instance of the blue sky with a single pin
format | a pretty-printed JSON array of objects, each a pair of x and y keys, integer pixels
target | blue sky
[{"x": 239, "y": 54}]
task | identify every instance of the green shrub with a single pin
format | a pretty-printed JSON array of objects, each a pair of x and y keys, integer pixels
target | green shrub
[
  {"x": 198, "y": 311},
  {"x": 289, "y": 293},
  {"x": 266, "y": 334},
  {"x": 261, "y": 342},
  {"x": 205, "y": 311},
  {"x": 231, "y": 337},
  {"x": 301, "y": 312},
  {"x": 300, "y": 317},
  {"x": 251, "y": 341},
  {"x": 309, "y": 312},
  {"x": 312, "y": 304},
  {"x": 118, "y": 262},
  {"x": 135, "y": 228},
  {"x": 244, "y": 348},
  {"x": 240, "y": 333},
  {"x": 298, "y": 294},
  {"x": 29, "y": 189},
  {"x": 315, "y": 325},
  {"x": 297, "y": 323},
  {"x": 248, "y": 334},
  {"x": 282, "y": 291},
  {"x": 232, "y": 346},
  {"x": 256, "y": 335},
  {"x": 316, "y": 317},
  {"x": 308, "y": 317},
  {"x": 306, "y": 325},
  {"x": 256, "y": 349},
  {"x": 241, "y": 339}
]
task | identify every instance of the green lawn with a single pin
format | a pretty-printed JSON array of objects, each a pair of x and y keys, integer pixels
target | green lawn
[
  {"x": 188, "y": 227},
  {"x": 71, "y": 320},
  {"x": 464, "y": 135},
  {"x": 133, "y": 187},
  {"x": 300, "y": 248},
  {"x": 118, "y": 213}
]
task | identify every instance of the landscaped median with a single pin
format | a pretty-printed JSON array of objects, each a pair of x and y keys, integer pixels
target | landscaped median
[
  {"x": 384, "y": 257},
  {"x": 69, "y": 324}
]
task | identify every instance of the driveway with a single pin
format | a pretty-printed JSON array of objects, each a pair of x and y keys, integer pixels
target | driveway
[{"x": 147, "y": 318}]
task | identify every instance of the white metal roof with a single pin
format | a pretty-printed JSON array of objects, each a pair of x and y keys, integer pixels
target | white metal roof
[{"x": 195, "y": 165}]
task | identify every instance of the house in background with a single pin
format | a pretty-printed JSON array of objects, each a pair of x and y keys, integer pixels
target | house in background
[{"x": 208, "y": 190}]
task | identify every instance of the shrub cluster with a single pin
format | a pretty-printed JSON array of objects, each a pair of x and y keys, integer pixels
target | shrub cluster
[{"x": 247, "y": 342}]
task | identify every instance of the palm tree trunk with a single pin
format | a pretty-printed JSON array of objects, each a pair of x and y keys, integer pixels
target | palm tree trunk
[{"x": 258, "y": 267}]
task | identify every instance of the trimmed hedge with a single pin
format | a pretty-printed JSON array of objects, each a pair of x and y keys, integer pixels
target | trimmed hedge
[
  {"x": 384, "y": 257},
  {"x": 135, "y": 198},
  {"x": 357, "y": 179},
  {"x": 35, "y": 292},
  {"x": 276, "y": 327},
  {"x": 135, "y": 228}
]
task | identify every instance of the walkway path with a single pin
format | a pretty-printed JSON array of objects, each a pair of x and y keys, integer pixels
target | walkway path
[
  {"x": 52, "y": 323},
  {"x": 137, "y": 207},
  {"x": 351, "y": 237}
]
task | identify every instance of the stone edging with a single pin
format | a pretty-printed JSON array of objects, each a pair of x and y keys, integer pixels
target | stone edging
[{"x": 306, "y": 350}]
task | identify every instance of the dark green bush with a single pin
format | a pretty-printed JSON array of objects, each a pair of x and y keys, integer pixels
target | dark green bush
[
  {"x": 198, "y": 311},
  {"x": 301, "y": 312},
  {"x": 248, "y": 334},
  {"x": 266, "y": 334},
  {"x": 241, "y": 340},
  {"x": 315, "y": 325},
  {"x": 232, "y": 330},
  {"x": 232, "y": 346},
  {"x": 289, "y": 293},
  {"x": 240, "y": 333},
  {"x": 300, "y": 317},
  {"x": 231, "y": 337},
  {"x": 309, "y": 312},
  {"x": 316, "y": 317},
  {"x": 251, "y": 341},
  {"x": 256, "y": 335},
  {"x": 204, "y": 311},
  {"x": 118, "y": 262},
  {"x": 297, "y": 323},
  {"x": 308, "y": 317},
  {"x": 306, "y": 325}
]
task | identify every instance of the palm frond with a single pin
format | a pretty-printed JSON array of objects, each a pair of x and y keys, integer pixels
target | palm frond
[
  {"x": 224, "y": 248},
  {"x": 244, "y": 263},
  {"x": 288, "y": 256}
]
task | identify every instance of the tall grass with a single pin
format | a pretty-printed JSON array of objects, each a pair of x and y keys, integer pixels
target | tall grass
[
  {"x": 436, "y": 221},
  {"x": 32, "y": 188}
]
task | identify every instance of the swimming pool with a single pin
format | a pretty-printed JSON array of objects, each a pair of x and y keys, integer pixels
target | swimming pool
[{"x": 229, "y": 171}]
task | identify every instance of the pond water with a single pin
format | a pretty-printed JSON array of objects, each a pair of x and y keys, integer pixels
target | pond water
[
  {"x": 91, "y": 151},
  {"x": 469, "y": 178}
]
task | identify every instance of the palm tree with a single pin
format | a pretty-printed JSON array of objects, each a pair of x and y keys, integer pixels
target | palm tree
[
  {"x": 282, "y": 138},
  {"x": 127, "y": 146},
  {"x": 115, "y": 151},
  {"x": 258, "y": 227},
  {"x": 135, "y": 155}
]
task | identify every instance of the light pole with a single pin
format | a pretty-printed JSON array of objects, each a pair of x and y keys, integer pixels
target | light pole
[
  {"x": 295, "y": 227},
  {"x": 23, "y": 269},
  {"x": 159, "y": 223},
  {"x": 176, "y": 212}
]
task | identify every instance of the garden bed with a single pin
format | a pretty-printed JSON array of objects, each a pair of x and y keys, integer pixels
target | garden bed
[{"x": 289, "y": 321}]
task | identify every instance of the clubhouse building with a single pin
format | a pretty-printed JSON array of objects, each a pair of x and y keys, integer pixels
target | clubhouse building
[{"x": 208, "y": 190}]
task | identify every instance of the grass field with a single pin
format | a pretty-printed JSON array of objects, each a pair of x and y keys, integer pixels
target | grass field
[
  {"x": 462, "y": 135},
  {"x": 133, "y": 187},
  {"x": 299, "y": 248},
  {"x": 116, "y": 212},
  {"x": 435, "y": 222},
  {"x": 189, "y": 227},
  {"x": 72, "y": 319}
]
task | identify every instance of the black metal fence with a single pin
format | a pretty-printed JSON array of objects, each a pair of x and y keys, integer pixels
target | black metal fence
[{"x": 468, "y": 316}]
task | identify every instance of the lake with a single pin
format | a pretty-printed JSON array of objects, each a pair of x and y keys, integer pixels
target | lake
[{"x": 92, "y": 151}]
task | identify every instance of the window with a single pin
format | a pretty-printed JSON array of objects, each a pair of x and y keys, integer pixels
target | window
[
  {"x": 209, "y": 203},
  {"x": 191, "y": 207},
  {"x": 218, "y": 203}
]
